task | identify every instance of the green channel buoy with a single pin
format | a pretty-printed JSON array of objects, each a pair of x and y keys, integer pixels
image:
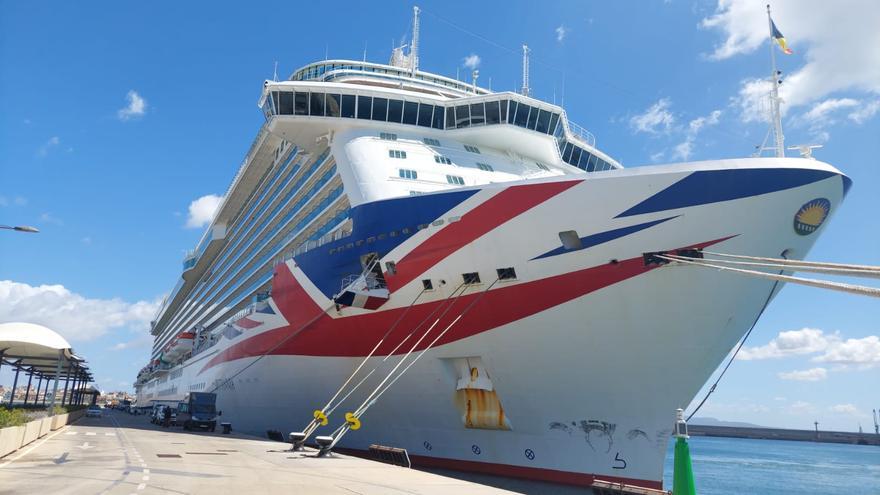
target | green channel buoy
[{"x": 682, "y": 471}]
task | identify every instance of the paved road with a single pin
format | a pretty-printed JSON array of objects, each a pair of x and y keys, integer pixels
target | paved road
[{"x": 124, "y": 454}]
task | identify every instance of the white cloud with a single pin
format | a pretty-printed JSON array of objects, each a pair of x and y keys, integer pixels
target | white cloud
[
  {"x": 137, "y": 106},
  {"x": 656, "y": 119},
  {"x": 801, "y": 407},
  {"x": 49, "y": 218},
  {"x": 810, "y": 375},
  {"x": 824, "y": 114},
  {"x": 849, "y": 409},
  {"x": 863, "y": 114},
  {"x": 864, "y": 352},
  {"x": 472, "y": 61},
  {"x": 48, "y": 145},
  {"x": 202, "y": 210},
  {"x": 834, "y": 60},
  {"x": 683, "y": 150},
  {"x": 561, "y": 32},
  {"x": 133, "y": 344},
  {"x": 790, "y": 343},
  {"x": 72, "y": 315}
]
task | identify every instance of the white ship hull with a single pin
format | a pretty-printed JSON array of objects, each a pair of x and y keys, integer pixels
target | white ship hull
[{"x": 589, "y": 351}]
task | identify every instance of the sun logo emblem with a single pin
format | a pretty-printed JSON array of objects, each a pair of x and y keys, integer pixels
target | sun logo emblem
[{"x": 811, "y": 215}]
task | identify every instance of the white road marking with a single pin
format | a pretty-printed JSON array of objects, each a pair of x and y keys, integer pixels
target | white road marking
[
  {"x": 146, "y": 471},
  {"x": 90, "y": 433},
  {"x": 110, "y": 434},
  {"x": 142, "y": 486},
  {"x": 71, "y": 433},
  {"x": 86, "y": 446},
  {"x": 146, "y": 478}
]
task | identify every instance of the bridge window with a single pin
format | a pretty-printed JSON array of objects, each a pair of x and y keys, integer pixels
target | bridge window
[
  {"x": 408, "y": 174},
  {"x": 454, "y": 179},
  {"x": 462, "y": 116},
  {"x": 301, "y": 103},
  {"x": 492, "y": 114},
  {"x": 522, "y": 115},
  {"x": 512, "y": 112},
  {"x": 286, "y": 103},
  {"x": 348, "y": 104},
  {"x": 332, "y": 108},
  {"x": 395, "y": 111},
  {"x": 410, "y": 112},
  {"x": 425, "y": 114},
  {"x": 316, "y": 106},
  {"x": 380, "y": 109},
  {"x": 437, "y": 123},
  {"x": 553, "y": 121},
  {"x": 450, "y": 119},
  {"x": 533, "y": 118},
  {"x": 364, "y": 107},
  {"x": 478, "y": 114},
  {"x": 543, "y": 124}
]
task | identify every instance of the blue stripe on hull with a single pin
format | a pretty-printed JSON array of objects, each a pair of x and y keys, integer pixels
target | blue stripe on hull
[
  {"x": 713, "y": 186},
  {"x": 603, "y": 237}
]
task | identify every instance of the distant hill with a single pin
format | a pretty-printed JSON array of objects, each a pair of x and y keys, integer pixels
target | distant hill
[{"x": 718, "y": 422}]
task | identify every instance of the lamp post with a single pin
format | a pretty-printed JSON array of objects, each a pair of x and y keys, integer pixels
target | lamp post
[{"x": 21, "y": 228}]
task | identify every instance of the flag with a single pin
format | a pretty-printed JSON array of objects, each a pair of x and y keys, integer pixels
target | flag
[{"x": 780, "y": 39}]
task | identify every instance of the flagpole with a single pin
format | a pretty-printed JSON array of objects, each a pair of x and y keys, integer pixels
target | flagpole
[{"x": 776, "y": 115}]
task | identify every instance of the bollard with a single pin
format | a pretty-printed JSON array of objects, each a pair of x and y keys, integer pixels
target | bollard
[{"x": 682, "y": 471}]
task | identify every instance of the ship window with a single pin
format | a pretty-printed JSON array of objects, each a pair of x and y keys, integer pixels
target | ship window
[
  {"x": 554, "y": 119},
  {"x": 472, "y": 149},
  {"x": 395, "y": 111},
  {"x": 533, "y": 118},
  {"x": 471, "y": 278},
  {"x": 477, "y": 114},
  {"x": 348, "y": 106},
  {"x": 575, "y": 156},
  {"x": 462, "y": 116},
  {"x": 365, "y": 105},
  {"x": 438, "y": 117},
  {"x": 301, "y": 103},
  {"x": 567, "y": 153},
  {"x": 382, "y": 236},
  {"x": 522, "y": 115},
  {"x": 410, "y": 112},
  {"x": 380, "y": 109},
  {"x": 585, "y": 159},
  {"x": 454, "y": 179},
  {"x": 425, "y": 113},
  {"x": 397, "y": 154},
  {"x": 332, "y": 109},
  {"x": 431, "y": 141},
  {"x": 408, "y": 174},
  {"x": 442, "y": 159},
  {"x": 316, "y": 106},
  {"x": 391, "y": 267},
  {"x": 388, "y": 136},
  {"x": 506, "y": 273},
  {"x": 504, "y": 111},
  {"x": 286, "y": 103},
  {"x": 269, "y": 104},
  {"x": 492, "y": 115},
  {"x": 450, "y": 119},
  {"x": 485, "y": 166},
  {"x": 427, "y": 284},
  {"x": 543, "y": 121},
  {"x": 542, "y": 166},
  {"x": 570, "y": 240}
]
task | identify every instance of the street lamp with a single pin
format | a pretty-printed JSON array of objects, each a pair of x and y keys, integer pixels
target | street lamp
[{"x": 21, "y": 228}]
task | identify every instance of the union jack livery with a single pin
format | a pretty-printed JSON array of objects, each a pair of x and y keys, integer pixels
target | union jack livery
[{"x": 471, "y": 269}]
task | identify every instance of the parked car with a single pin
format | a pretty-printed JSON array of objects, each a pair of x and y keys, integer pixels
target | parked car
[
  {"x": 93, "y": 411},
  {"x": 158, "y": 416}
]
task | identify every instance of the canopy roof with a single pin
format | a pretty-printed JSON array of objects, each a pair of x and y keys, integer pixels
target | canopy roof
[{"x": 33, "y": 347}]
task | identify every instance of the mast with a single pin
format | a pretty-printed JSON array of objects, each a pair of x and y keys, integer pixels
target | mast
[
  {"x": 414, "y": 50},
  {"x": 775, "y": 114},
  {"x": 525, "y": 68}
]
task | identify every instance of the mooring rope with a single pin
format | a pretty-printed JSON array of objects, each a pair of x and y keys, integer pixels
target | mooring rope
[
  {"x": 817, "y": 264},
  {"x": 792, "y": 267}
]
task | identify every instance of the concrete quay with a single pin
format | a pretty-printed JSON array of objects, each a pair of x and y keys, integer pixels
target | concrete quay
[{"x": 124, "y": 454}]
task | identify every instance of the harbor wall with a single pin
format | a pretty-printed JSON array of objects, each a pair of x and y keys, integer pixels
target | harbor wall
[{"x": 784, "y": 434}]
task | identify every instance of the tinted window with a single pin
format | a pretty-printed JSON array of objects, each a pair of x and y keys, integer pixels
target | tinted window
[
  {"x": 543, "y": 121},
  {"x": 503, "y": 110},
  {"x": 462, "y": 116},
  {"x": 365, "y": 105},
  {"x": 522, "y": 115},
  {"x": 301, "y": 103},
  {"x": 316, "y": 104},
  {"x": 425, "y": 113},
  {"x": 575, "y": 156},
  {"x": 450, "y": 119},
  {"x": 478, "y": 114},
  {"x": 395, "y": 110},
  {"x": 533, "y": 118},
  {"x": 553, "y": 120},
  {"x": 380, "y": 108},
  {"x": 332, "y": 108},
  {"x": 492, "y": 115},
  {"x": 410, "y": 111},
  {"x": 347, "y": 106},
  {"x": 438, "y": 118},
  {"x": 286, "y": 103},
  {"x": 592, "y": 165},
  {"x": 511, "y": 112},
  {"x": 275, "y": 101},
  {"x": 585, "y": 160},
  {"x": 567, "y": 153}
]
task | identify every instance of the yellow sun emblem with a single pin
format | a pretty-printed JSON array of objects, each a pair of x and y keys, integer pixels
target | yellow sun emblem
[{"x": 811, "y": 215}]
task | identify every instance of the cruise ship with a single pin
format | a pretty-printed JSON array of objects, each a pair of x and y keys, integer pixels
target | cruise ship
[{"x": 478, "y": 261}]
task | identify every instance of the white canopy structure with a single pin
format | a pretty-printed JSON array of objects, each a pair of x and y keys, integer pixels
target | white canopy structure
[{"x": 43, "y": 353}]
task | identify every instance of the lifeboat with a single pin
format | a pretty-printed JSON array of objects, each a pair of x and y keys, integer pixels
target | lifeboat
[{"x": 179, "y": 346}]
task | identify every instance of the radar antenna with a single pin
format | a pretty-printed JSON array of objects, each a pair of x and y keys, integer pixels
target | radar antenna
[{"x": 525, "y": 68}]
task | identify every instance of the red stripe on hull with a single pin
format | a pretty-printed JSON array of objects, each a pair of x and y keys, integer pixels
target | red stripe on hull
[
  {"x": 511, "y": 471},
  {"x": 505, "y": 205},
  {"x": 355, "y": 336}
]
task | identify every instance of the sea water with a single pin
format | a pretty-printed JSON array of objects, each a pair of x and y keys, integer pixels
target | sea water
[{"x": 745, "y": 466}]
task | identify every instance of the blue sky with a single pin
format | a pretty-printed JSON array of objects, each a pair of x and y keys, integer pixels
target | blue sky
[{"x": 116, "y": 118}]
